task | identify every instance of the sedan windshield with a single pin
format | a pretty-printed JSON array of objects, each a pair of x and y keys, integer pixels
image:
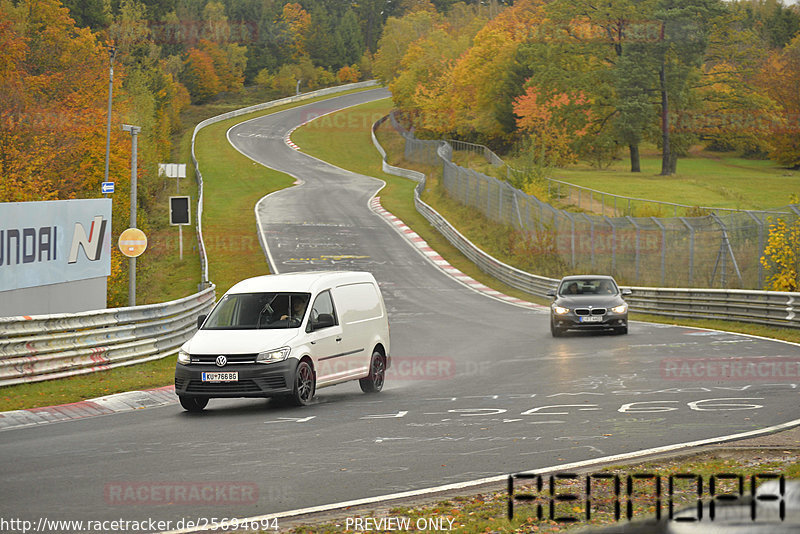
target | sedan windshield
[
  {"x": 250, "y": 311},
  {"x": 588, "y": 286}
]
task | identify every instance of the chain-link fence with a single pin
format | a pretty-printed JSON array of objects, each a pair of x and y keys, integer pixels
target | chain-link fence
[{"x": 720, "y": 249}]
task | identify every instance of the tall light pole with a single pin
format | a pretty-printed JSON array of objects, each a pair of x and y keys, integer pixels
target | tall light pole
[
  {"x": 134, "y": 130},
  {"x": 112, "y": 52}
]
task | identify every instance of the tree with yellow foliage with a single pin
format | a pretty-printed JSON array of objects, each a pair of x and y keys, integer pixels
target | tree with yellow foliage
[{"x": 782, "y": 255}]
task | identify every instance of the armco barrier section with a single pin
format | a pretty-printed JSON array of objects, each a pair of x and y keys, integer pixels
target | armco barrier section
[
  {"x": 238, "y": 113},
  {"x": 46, "y": 347},
  {"x": 775, "y": 308}
]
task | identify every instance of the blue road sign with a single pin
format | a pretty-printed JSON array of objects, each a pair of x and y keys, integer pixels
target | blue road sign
[{"x": 107, "y": 187}]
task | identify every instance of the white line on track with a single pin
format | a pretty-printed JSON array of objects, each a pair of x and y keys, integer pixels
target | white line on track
[{"x": 501, "y": 478}]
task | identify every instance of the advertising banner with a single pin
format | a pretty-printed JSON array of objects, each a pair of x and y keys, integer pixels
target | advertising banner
[{"x": 43, "y": 243}]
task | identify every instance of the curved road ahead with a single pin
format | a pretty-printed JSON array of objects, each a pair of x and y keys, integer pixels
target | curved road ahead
[{"x": 478, "y": 388}]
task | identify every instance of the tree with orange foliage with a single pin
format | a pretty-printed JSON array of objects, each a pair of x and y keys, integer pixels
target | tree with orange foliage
[
  {"x": 479, "y": 75},
  {"x": 199, "y": 76},
  {"x": 551, "y": 123},
  {"x": 298, "y": 23},
  {"x": 779, "y": 77},
  {"x": 53, "y": 105},
  {"x": 348, "y": 74},
  {"x": 230, "y": 77}
]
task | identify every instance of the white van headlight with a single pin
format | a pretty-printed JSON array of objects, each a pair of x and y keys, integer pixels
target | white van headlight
[
  {"x": 269, "y": 356},
  {"x": 622, "y": 308},
  {"x": 184, "y": 357}
]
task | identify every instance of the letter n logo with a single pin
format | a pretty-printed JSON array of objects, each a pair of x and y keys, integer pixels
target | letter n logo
[{"x": 91, "y": 244}]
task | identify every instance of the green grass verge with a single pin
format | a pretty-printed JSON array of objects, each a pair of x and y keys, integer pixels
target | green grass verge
[
  {"x": 703, "y": 179},
  {"x": 711, "y": 179},
  {"x": 233, "y": 185},
  {"x": 148, "y": 375}
]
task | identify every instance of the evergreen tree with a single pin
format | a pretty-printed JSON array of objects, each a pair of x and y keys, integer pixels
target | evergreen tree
[
  {"x": 325, "y": 45},
  {"x": 352, "y": 40}
]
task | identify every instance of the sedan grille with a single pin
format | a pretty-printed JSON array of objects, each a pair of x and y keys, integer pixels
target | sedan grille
[{"x": 592, "y": 311}]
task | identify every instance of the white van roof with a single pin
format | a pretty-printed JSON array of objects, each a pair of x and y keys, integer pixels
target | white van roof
[{"x": 300, "y": 282}]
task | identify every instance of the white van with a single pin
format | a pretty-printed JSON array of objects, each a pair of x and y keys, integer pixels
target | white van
[{"x": 286, "y": 335}]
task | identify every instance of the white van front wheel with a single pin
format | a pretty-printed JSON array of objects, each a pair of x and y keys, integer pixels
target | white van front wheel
[
  {"x": 193, "y": 404},
  {"x": 305, "y": 384},
  {"x": 373, "y": 383}
]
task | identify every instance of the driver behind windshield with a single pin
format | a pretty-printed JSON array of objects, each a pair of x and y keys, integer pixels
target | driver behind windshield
[
  {"x": 298, "y": 308},
  {"x": 571, "y": 289}
]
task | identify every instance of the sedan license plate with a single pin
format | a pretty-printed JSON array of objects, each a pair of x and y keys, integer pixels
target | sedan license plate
[
  {"x": 592, "y": 319},
  {"x": 221, "y": 377}
]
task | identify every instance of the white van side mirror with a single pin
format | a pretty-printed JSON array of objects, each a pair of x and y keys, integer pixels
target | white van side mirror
[{"x": 323, "y": 320}]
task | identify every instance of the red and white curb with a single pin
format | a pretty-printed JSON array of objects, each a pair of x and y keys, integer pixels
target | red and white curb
[
  {"x": 288, "y": 138},
  {"x": 120, "y": 402},
  {"x": 434, "y": 257}
]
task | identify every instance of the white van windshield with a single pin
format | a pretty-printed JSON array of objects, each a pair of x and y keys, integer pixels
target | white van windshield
[{"x": 250, "y": 311}]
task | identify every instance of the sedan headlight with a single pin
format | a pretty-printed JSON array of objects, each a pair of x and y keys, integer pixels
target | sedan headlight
[
  {"x": 269, "y": 356},
  {"x": 622, "y": 308},
  {"x": 184, "y": 357},
  {"x": 559, "y": 310}
]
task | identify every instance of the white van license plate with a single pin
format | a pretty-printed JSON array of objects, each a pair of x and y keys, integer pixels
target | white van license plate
[
  {"x": 592, "y": 319},
  {"x": 221, "y": 377}
]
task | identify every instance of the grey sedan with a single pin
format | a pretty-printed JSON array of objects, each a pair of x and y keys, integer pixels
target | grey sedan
[{"x": 588, "y": 302}]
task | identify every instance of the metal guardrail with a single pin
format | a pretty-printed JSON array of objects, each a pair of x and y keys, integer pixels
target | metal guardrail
[
  {"x": 773, "y": 308},
  {"x": 46, "y": 347},
  {"x": 237, "y": 113}
]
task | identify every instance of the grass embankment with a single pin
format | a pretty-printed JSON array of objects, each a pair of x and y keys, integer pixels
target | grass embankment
[
  {"x": 232, "y": 185},
  {"x": 709, "y": 179}
]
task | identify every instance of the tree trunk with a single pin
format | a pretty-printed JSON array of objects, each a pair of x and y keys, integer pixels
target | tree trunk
[
  {"x": 634, "y": 149},
  {"x": 665, "y": 150},
  {"x": 673, "y": 162}
]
